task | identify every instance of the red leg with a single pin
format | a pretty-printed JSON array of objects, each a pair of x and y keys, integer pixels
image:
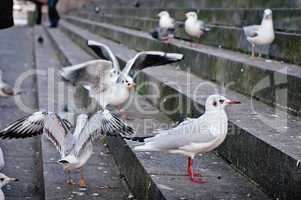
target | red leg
[{"x": 191, "y": 174}]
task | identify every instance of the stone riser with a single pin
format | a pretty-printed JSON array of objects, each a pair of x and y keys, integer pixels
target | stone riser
[
  {"x": 286, "y": 46},
  {"x": 202, "y": 3},
  {"x": 285, "y": 20}
]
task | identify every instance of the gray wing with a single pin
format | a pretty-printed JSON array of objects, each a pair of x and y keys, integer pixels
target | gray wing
[
  {"x": 146, "y": 59},
  {"x": 186, "y": 133},
  {"x": 104, "y": 52},
  {"x": 251, "y": 31},
  {"x": 58, "y": 133},
  {"x": 28, "y": 126},
  {"x": 87, "y": 72},
  {"x": 100, "y": 124}
]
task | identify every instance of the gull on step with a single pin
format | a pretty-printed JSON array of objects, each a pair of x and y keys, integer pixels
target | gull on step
[
  {"x": 262, "y": 34},
  {"x": 194, "y": 136}
]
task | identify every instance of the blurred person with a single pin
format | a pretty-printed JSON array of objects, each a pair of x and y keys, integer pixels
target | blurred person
[
  {"x": 53, "y": 13},
  {"x": 6, "y": 14}
]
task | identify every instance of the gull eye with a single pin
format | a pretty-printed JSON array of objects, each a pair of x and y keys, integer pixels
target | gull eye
[
  {"x": 221, "y": 101},
  {"x": 214, "y": 103},
  {"x": 1, "y": 179},
  {"x": 126, "y": 81}
]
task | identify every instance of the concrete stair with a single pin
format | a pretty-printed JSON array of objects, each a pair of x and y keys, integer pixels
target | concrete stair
[
  {"x": 279, "y": 143},
  {"x": 155, "y": 175},
  {"x": 244, "y": 74},
  {"x": 102, "y": 176},
  {"x": 200, "y": 4},
  {"x": 285, "y": 47}
]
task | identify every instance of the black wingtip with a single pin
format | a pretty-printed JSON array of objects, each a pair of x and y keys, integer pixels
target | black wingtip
[{"x": 137, "y": 138}]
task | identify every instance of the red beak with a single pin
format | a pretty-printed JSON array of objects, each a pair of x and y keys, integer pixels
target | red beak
[{"x": 233, "y": 102}]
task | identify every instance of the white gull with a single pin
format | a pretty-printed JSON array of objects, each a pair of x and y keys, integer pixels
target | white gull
[{"x": 194, "y": 136}]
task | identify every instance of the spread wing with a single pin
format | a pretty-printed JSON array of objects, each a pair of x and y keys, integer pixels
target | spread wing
[
  {"x": 100, "y": 124},
  {"x": 28, "y": 126},
  {"x": 90, "y": 72},
  {"x": 151, "y": 58},
  {"x": 58, "y": 133},
  {"x": 104, "y": 52},
  {"x": 251, "y": 31}
]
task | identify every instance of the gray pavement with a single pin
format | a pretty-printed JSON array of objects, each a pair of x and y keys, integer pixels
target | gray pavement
[{"x": 22, "y": 156}]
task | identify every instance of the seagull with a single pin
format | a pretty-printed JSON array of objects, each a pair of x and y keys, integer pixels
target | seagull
[
  {"x": 5, "y": 89},
  {"x": 194, "y": 136},
  {"x": 193, "y": 27},
  {"x": 75, "y": 149},
  {"x": 4, "y": 180},
  {"x": 166, "y": 28},
  {"x": 261, "y": 34},
  {"x": 106, "y": 82}
]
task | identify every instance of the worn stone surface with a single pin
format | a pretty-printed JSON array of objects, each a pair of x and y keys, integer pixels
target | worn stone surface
[
  {"x": 242, "y": 73},
  {"x": 22, "y": 156},
  {"x": 100, "y": 171}
]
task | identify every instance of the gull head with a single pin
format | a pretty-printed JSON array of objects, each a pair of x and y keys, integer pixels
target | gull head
[
  {"x": 218, "y": 102},
  {"x": 163, "y": 14},
  {"x": 5, "y": 180},
  {"x": 192, "y": 15},
  {"x": 127, "y": 81},
  {"x": 267, "y": 14}
]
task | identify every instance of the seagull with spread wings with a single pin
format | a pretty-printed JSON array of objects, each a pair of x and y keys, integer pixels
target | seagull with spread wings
[
  {"x": 106, "y": 82},
  {"x": 75, "y": 149}
]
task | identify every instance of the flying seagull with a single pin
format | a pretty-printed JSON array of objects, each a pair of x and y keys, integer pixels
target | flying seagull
[
  {"x": 193, "y": 27},
  {"x": 261, "y": 34},
  {"x": 106, "y": 82},
  {"x": 4, "y": 180},
  {"x": 165, "y": 29},
  {"x": 194, "y": 136},
  {"x": 75, "y": 149}
]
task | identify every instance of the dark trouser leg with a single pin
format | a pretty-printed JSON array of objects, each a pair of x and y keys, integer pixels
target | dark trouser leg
[
  {"x": 53, "y": 14},
  {"x": 39, "y": 13}
]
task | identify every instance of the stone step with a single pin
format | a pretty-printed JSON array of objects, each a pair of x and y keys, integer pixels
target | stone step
[
  {"x": 199, "y": 4},
  {"x": 254, "y": 77},
  {"x": 22, "y": 157},
  {"x": 263, "y": 144},
  {"x": 285, "y": 47},
  {"x": 102, "y": 176},
  {"x": 159, "y": 176},
  {"x": 285, "y": 20}
]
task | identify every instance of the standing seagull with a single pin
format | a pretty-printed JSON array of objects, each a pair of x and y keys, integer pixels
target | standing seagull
[
  {"x": 194, "y": 136},
  {"x": 193, "y": 27},
  {"x": 4, "y": 180},
  {"x": 75, "y": 149},
  {"x": 261, "y": 34},
  {"x": 106, "y": 82},
  {"x": 166, "y": 28}
]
